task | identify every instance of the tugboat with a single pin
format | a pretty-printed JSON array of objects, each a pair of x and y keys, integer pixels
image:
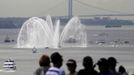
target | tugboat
[
  {"x": 7, "y": 39},
  {"x": 9, "y": 65}
]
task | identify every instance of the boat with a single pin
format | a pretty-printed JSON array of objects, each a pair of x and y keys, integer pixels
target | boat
[
  {"x": 9, "y": 65},
  {"x": 71, "y": 40},
  {"x": 7, "y": 39},
  {"x": 34, "y": 49}
]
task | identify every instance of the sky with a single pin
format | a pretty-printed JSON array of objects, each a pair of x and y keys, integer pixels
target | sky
[{"x": 24, "y": 8}]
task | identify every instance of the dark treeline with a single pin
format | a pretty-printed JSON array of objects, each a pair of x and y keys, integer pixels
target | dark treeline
[{"x": 16, "y": 22}]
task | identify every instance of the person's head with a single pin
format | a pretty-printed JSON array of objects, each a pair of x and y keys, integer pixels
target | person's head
[
  {"x": 103, "y": 65},
  {"x": 112, "y": 63},
  {"x": 122, "y": 69},
  {"x": 71, "y": 65},
  {"x": 56, "y": 59},
  {"x": 88, "y": 62},
  {"x": 44, "y": 60}
]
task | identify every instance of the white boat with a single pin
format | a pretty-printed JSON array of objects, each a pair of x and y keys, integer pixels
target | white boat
[{"x": 9, "y": 65}]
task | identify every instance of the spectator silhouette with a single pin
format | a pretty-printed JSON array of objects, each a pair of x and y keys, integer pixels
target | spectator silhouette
[
  {"x": 112, "y": 65},
  {"x": 88, "y": 67},
  {"x": 103, "y": 66},
  {"x": 44, "y": 63},
  {"x": 71, "y": 66},
  {"x": 122, "y": 70},
  {"x": 57, "y": 60}
]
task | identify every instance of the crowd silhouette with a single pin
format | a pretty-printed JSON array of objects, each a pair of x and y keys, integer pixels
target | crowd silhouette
[{"x": 106, "y": 66}]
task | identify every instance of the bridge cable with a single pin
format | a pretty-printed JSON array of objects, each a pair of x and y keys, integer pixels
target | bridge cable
[
  {"x": 53, "y": 7},
  {"x": 99, "y": 8}
]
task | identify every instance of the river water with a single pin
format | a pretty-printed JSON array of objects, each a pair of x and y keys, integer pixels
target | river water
[{"x": 27, "y": 61}]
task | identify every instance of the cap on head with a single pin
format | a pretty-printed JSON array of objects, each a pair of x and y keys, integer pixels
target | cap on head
[{"x": 71, "y": 62}]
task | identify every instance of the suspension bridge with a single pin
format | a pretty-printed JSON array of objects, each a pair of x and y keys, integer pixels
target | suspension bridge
[{"x": 88, "y": 6}]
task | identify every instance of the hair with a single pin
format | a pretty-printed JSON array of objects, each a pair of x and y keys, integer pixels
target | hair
[
  {"x": 112, "y": 61},
  {"x": 122, "y": 69},
  {"x": 103, "y": 62},
  {"x": 87, "y": 62},
  {"x": 44, "y": 60},
  {"x": 56, "y": 58}
]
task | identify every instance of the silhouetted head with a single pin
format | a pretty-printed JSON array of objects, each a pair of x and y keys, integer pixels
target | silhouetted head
[
  {"x": 88, "y": 62},
  {"x": 122, "y": 69},
  {"x": 103, "y": 65},
  {"x": 112, "y": 62},
  {"x": 71, "y": 65},
  {"x": 56, "y": 59},
  {"x": 44, "y": 60}
]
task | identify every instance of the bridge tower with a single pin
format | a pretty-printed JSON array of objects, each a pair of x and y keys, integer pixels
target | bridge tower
[{"x": 70, "y": 9}]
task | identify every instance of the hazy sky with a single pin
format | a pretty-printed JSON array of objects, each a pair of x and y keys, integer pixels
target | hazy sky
[{"x": 15, "y": 8}]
